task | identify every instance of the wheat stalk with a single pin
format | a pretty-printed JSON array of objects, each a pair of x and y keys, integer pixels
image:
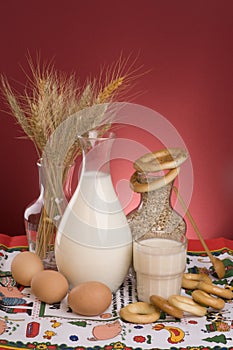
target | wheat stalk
[
  {"x": 109, "y": 90},
  {"x": 50, "y": 98}
]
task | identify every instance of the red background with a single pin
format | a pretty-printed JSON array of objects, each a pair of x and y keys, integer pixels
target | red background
[{"x": 189, "y": 48}]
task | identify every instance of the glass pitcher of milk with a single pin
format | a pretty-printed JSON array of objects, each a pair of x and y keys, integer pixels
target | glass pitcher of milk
[{"x": 94, "y": 241}]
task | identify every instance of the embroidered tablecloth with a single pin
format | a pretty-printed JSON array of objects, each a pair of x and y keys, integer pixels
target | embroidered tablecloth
[{"x": 27, "y": 323}]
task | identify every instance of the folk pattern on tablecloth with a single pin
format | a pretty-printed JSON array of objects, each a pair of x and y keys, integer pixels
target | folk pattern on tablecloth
[{"x": 26, "y": 323}]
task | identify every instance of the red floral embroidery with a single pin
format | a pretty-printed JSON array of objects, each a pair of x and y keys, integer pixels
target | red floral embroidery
[{"x": 139, "y": 339}]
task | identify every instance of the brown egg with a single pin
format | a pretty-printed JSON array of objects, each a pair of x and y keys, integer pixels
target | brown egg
[
  {"x": 89, "y": 298},
  {"x": 49, "y": 286},
  {"x": 24, "y": 266}
]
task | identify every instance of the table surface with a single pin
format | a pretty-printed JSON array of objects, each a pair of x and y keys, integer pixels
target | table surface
[{"x": 26, "y": 323}]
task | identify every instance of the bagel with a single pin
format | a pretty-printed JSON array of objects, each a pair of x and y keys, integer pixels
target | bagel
[
  {"x": 191, "y": 280},
  {"x": 140, "y": 312},
  {"x": 163, "y": 305},
  {"x": 168, "y": 158},
  {"x": 215, "y": 290},
  {"x": 157, "y": 183},
  {"x": 204, "y": 298},
  {"x": 187, "y": 304}
]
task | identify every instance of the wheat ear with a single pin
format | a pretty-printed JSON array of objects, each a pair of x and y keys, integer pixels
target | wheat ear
[{"x": 109, "y": 90}]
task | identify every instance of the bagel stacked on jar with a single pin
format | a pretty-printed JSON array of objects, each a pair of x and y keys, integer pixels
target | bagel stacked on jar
[
  {"x": 204, "y": 294},
  {"x": 166, "y": 159}
]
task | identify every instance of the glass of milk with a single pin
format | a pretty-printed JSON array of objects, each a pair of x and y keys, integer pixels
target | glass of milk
[{"x": 159, "y": 262}]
